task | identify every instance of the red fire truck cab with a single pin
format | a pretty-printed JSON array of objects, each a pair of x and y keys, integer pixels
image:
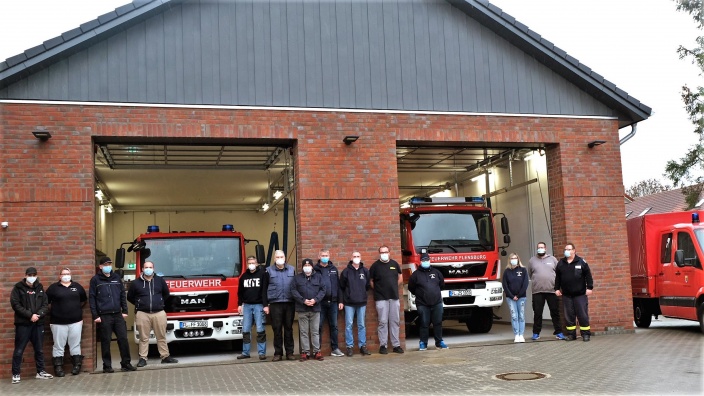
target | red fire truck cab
[
  {"x": 460, "y": 238},
  {"x": 202, "y": 271},
  {"x": 666, "y": 266}
]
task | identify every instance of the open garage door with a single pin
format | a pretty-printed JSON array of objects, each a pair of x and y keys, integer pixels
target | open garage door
[{"x": 466, "y": 245}]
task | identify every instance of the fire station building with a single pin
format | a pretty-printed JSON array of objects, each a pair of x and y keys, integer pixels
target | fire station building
[{"x": 191, "y": 114}]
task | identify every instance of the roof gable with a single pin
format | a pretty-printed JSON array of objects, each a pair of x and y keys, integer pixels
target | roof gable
[{"x": 662, "y": 202}]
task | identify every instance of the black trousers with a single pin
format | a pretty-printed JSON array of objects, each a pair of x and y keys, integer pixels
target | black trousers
[
  {"x": 576, "y": 306},
  {"x": 25, "y": 334},
  {"x": 110, "y": 323},
  {"x": 539, "y": 300},
  {"x": 328, "y": 312},
  {"x": 430, "y": 314},
  {"x": 282, "y": 320}
]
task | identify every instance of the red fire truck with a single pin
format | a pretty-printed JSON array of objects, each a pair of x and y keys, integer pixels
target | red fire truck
[
  {"x": 202, "y": 271},
  {"x": 459, "y": 235},
  {"x": 666, "y": 266}
]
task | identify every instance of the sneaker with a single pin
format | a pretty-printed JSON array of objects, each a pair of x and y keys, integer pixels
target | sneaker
[
  {"x": 290, "y": 356},
  {"x": 318, "y": 356},
  {"x": 277, "y": 358},
  {"x": 108, "y": 369},
  {"x": 442, "y": 345},
  {"x": 262, "y": 357},
  {"x": 521, "y": 339},
  {"x": 516, "y": 338},
  {"x": 16, "y": 379},
  {"x": 240, "y": 357},
  {"x": 364, "y": 351},
  {"x": 304, "y": 357},
  {"x": 350, "y": 352},
  {"x": 536, "y": 337},
  {"x": 383, "y": 350},
  {"x": 168, "y": 359},
  {"x": 142, "y": 362},
  {"x": 398, "y": 349},
  {"x": 128, "y": 367},
  {"x": 337, "y": 352},
  {"x": 44, "y": 375},
  {"x": 560, "y": 336},
  {"x": 422, "y": 346}
]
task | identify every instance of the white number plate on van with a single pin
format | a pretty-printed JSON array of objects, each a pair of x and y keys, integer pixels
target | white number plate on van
[
  {"x": 460, "y": 293},
  {"x": 196, "y": 324}
]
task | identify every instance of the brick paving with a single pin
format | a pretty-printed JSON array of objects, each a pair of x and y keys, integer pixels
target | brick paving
[{"x": 666, "y": 360}]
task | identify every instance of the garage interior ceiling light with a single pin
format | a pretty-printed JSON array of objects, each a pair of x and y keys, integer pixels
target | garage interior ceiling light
[{"x": 278, "y": 194}]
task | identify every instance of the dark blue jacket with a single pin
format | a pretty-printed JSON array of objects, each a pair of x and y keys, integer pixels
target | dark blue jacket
[
  {"x": 305, "y": 288},
  {"x": 515, "y": 282},
  {"x": 574, "y": 278},
  {"x": 148, "y": 296},
  {"x": 331, "y": 280},
  {"x": 107, "y": 295},
  {"x": 426, "y": 285},
  {"x": 279, "y": 289},
  {"x": 354, "y": 284}
]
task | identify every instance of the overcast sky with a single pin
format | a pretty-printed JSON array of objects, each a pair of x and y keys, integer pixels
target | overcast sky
[{"x": 632, "y": 43}]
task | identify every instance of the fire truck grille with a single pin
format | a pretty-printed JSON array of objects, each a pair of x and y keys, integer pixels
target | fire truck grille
[
  {"x": 458, "y": 300},
  {"x": 466, "y": 270},
  {"x": 197, "y": 302}
]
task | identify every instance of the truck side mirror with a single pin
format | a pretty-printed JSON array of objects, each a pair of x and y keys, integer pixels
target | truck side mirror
[
  {"x": 120, "y": 258},
  {"x": 507, "y": 239},
  {"x": 144, "y": 254},
  {"x": 259, "y": 252},
  {"x": 679, "y": 257},
  {"x": 504, "y": 225}
]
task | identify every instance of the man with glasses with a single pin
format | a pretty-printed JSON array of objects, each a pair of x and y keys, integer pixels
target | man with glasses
[
  {"x": 67, "y": 299},
  {"x": 385, "y": 279},
  {"x": 573, "y": 281}
]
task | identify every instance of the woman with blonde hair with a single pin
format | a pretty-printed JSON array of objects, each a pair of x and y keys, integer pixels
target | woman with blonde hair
[{"x": 515, "y": 283}]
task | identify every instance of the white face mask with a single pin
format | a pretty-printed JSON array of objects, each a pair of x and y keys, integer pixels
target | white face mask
[
  {"x": 65, "y": 278},
  {"x": 251, "y": 267},
  {"x": 541, "y": 250},
  {"x": 384, "y": 257},
  {"x": 568, "y": 253},
  {"x": 357, "y": 260},
  {"x": 31, "y": 279},
  {"x": 514, "y": 262},
  {"x": 280, "y": 261},
  {"x": 307, "y": 269}
]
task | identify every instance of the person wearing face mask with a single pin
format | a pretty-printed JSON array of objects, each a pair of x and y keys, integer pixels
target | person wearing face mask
[
  {"x": 253, "y": 305},
  {"x": 29, "y": 302},
  {"x": 354, "y": 283},
  {"x": 281, "y": 306},
  {"x": 573, "y": 281},
  {"x": 149, "y": 294},
  {"x": 386, "y": 277},
  {"x": 66, "y": 298},
  {"x": 330, "y": 303},
  {"x": 515, "y": 283},
  {"x": 108, "y": 306},
  {"x": 542, "y": 278},
  {"x": 426, "y": 284},
  {"x": 307, "y": 291}
]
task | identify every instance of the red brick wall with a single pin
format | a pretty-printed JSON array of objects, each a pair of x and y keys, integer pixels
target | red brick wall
[{"x": 47, "y": 188}]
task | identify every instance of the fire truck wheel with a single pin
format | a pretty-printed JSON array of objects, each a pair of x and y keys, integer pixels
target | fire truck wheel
[
  {"x": 481, "y": 321},
  {"x": 641, "y": 315},
  {"x": 700, "y": 312}
]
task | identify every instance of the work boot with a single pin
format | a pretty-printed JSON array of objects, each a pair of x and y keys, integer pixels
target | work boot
[
  {"x": 77, "y": 363},
  {"x": 59, "y": 366},
  {"x": 586, "y": 337}
]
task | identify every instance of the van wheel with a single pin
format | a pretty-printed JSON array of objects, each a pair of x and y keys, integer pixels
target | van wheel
[
  {"x": 700, "y": 312},
  {"x": 641, "y": 315},
  {"x": 481, "y": 321}
]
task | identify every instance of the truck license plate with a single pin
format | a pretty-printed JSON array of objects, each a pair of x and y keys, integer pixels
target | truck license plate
[
  {"x": 460, "y": 293},
  {"x": 193, "y": 324}
]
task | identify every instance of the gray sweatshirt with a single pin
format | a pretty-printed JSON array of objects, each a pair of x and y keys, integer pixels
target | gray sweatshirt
[{"x": 542, "y": 273}]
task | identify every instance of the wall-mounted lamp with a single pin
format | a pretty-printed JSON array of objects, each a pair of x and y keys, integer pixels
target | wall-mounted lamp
[
  {"x": 5, "y": 224},
  {"x": 596, "y": 143},
  {"x": 350, "y": 139},
  {"x": 42, "y": 135}
]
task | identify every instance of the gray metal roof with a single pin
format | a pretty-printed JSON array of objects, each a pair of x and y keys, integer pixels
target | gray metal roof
[{"x": 504, "y": 25}]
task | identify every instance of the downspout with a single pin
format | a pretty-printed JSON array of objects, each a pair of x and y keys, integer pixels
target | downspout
[{"x": 623, "y": 140}]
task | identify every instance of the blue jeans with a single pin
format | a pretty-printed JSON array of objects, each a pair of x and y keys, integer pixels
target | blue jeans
[
  {"x": 253, "y": 313},
  {"x": 328, "y": 311},
  {"x": 518, "y": 315},
  {"x": 360, "y": 313},
  {"x": 430, "y": 314}
]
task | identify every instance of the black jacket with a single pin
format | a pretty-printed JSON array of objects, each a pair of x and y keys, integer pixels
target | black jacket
[
  {"x": 426, "y": 284},
  {"x": 27, "y": 301},
  {"x": 306, "y": 287},
  {"x": 574, "y": 278},
  {"x": 106, "y": 295},
  {"x": 148, "y": 295},
  {"x": 66, "y": 302},
  {"x": 331, "y": 280},
  {"x": 253, "y": 287},
  {"x": 354, "y": 284}
]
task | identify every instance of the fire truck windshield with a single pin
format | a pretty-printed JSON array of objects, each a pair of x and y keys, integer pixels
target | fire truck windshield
[
  {"x": 184, "y": 257},
  {"x": 453, "y": 232}
]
